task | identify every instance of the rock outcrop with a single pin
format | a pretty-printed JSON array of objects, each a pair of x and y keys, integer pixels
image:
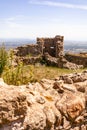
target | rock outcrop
[{"x": 59, "y": 104}]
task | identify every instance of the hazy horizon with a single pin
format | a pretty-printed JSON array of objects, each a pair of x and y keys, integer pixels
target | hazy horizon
[
  {"x": 43, "y": 18},
  {"x": 34, "y": 39},
  {"x": 69, "y": 46}
]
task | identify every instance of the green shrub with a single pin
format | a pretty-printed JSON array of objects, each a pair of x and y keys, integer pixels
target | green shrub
[
  {"x": 17, "y": 75},
  {"x": 3, "y": 58},
  {"x": 13, "y": 75}
]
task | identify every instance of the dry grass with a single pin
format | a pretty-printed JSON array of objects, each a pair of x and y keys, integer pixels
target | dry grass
[
  {"x": 33, "y": 73},
  {"x": 40, "y": 72}
]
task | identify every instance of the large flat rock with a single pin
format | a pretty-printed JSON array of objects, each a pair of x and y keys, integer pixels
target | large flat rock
[{"x": 49, "y": 105}]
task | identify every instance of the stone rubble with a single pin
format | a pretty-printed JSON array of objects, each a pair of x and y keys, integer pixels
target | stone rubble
[
  {"x": 60, "y": 62},
  {"x": 59, "y": 104}
]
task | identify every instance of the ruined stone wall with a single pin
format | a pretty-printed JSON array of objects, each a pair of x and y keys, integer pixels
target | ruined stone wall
[
  {"x": 77, "y": 59},
  {"x": 47, "y": 45},
  {"x": 54, "y": 46},
  {"x": 31, "y": 49},
  {"x": 58, "y": 40}
]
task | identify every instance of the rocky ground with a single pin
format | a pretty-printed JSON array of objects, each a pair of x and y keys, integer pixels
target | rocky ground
[
  {"x": 60, "y": 62},
  {"x": 59, "y": 104}
]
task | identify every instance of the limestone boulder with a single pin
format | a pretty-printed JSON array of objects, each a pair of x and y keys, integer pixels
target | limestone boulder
[
  {"x": 72, "y": 66},
  {"x": 81, "y": 86},
  {"x": 13, "y": 104},
  {"x": 71, "y": 105},
  {"x": 35, "y": 119}
]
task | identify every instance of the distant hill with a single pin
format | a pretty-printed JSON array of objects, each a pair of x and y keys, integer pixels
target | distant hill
[
  {"x": 75, "y": 46},
  {"x": 13, "y": 43},
  {"x": 69, "y": 46}
]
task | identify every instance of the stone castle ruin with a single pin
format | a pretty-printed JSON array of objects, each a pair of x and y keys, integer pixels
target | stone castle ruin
[
  {"x": 53, "y": 46},
  {"x": 51, "y": 50}
]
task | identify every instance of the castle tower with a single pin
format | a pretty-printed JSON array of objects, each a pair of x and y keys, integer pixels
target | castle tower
[
  {"x": 40, "y": 43},
  {"x": 54, "y": 46},
  {"x": 58, "y": 40}
]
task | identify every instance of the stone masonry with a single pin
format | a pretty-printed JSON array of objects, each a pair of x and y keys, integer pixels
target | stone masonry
[
  {"x": 54, "y": 46},
  {"x": 79, "y": 59},
  {"x": 49, "y": 50}
]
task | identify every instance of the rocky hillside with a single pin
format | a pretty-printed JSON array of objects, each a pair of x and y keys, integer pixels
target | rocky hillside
[{"x": 59, "y": 104}]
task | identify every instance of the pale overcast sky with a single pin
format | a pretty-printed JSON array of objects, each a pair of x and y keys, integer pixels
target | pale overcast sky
[{"x": 43, "y": 18}]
